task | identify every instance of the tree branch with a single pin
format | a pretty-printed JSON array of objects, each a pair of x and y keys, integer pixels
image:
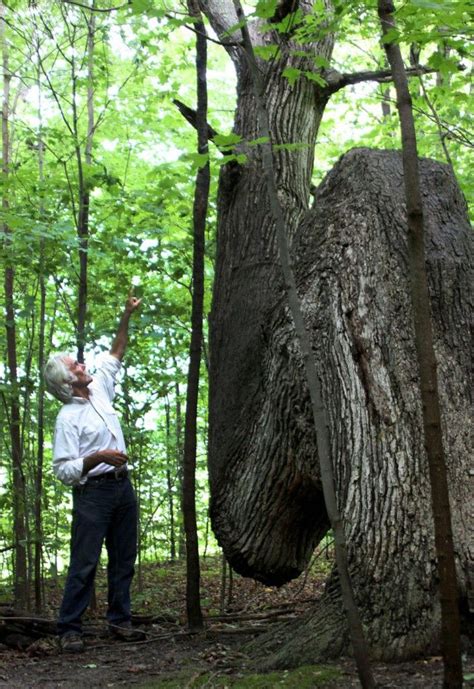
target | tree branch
[
  {"x": 97, "y": 9},
  {"x": 191, "y": 116},
  {"x": 337, "y": 81},
  {"x": 208, "y": 38}
]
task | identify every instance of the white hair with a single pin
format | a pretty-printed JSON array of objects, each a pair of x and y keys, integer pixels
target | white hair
[{"x": 58, "y": 377}]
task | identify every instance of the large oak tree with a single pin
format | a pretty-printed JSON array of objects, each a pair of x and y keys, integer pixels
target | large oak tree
[{"x": 350, "y": 253}]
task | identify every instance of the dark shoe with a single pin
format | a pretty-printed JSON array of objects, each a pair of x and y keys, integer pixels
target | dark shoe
[
  {"x": 126, "y": 632},
  {"x": 71, "y": 642}
]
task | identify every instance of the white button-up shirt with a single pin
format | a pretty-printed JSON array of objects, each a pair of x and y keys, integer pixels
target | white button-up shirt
[{"x": 85, "y": 426}]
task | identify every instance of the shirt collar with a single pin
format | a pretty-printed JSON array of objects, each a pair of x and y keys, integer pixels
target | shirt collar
[{"x": 78, "y": 400}]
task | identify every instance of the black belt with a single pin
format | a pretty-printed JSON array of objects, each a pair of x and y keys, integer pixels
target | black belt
[{"x": 109, "y": 476}]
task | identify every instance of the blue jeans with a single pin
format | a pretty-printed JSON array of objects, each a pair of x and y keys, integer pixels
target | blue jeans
[{"x": 103, "y": 509}]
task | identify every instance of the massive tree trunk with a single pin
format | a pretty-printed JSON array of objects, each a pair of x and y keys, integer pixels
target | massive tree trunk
[
  {"x": 267, "y": 505},
  {"x": 351, "y": 259}
]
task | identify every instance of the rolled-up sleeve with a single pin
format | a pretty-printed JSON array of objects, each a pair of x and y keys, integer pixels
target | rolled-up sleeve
[{"x": 67, "y": 465}]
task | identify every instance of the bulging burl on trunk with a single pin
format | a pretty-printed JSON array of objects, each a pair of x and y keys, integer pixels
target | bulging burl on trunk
[{"x": 350, "y": 259}]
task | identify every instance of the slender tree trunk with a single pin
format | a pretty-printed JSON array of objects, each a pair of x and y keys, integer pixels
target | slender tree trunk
[
  {"x": 223, "y": 584},
  {"x": 38, "y": 553},
  {"x": 444, "y": 51},
  {"x": 84, "y": 194},
  {"x": 206, "y": 536},
  {"x": 38, "y": 556},
  {"x": 427, "y": 366},
  {"x": 169, "y": 482},
  {"x": 230, "y": 590},
  {"x": 193, "y": 604},
  {"x": 179, "y": 466},
  {"x": 140, "y": 537}
]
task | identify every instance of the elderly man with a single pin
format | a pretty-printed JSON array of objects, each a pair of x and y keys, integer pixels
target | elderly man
[{"x": 89, "y": 454}]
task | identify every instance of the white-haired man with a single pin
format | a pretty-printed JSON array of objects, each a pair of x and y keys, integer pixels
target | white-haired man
[{"x": 89, "y": 454}]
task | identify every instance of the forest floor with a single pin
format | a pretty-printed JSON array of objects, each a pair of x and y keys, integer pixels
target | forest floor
[{"x": 171, "y": 658}]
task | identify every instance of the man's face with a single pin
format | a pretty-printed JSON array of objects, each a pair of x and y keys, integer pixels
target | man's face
[{"x": 83, "y": 378}]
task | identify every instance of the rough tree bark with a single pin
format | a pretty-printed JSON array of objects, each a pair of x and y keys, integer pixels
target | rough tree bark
[
  {"x": 248, "y": 279},
  {"x": 267, "y": 505},
  {"x": 311, "y": 373}
]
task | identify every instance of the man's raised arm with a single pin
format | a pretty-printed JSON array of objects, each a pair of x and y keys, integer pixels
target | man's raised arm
[{"x": 119, "y": 344}]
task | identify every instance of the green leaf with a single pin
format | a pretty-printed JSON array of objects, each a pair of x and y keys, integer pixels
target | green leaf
[
  {"x": 392, "y": 36},
  {"x": 316, "y": 77},
  {"x": 267, "y": 52},
  {"x": 265, "y": 8},
  {"x": 141, "y": 6},
  {"x": 321, "y": 61},
  {"x": 287, "y": 25},
  {"x": 198, "y": 159},
  {"x": 260, "y": 140},
  {"x": 292, "y": 74},
  {"x": 227, "y": 140},
  {"x": 240, "y": 158}
]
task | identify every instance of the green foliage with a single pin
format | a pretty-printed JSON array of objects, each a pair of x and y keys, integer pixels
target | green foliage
[
  {"x": 266, "y": 8},
  {"x": 355, "y": 115},
  {"x": 292, "y": 74},
  {"x": 267, "y": 52},
  {"x": 141, "y": 194}
]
